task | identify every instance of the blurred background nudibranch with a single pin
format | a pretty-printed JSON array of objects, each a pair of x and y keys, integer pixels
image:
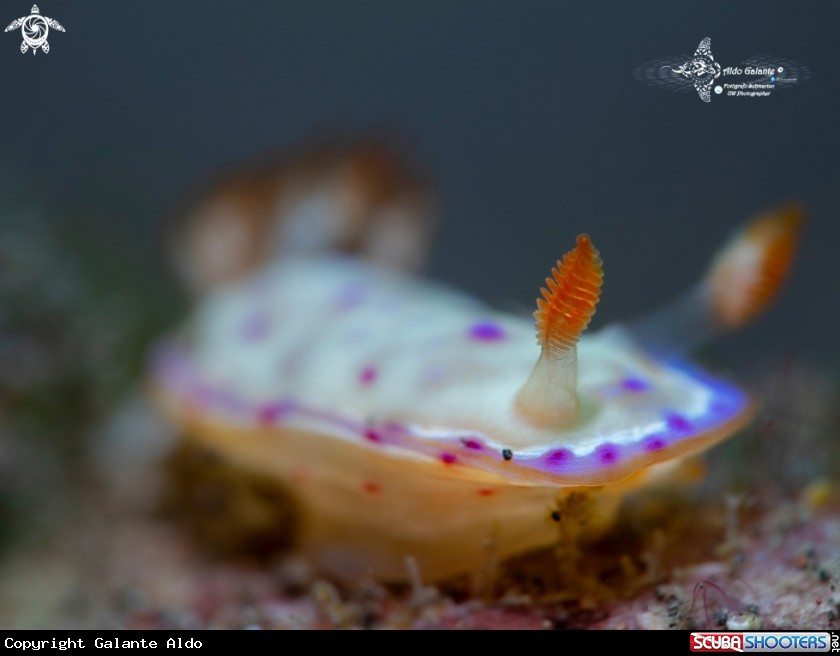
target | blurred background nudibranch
[
  {"x": 352, "y": 196},
  {"x": 145, "y": 168}
]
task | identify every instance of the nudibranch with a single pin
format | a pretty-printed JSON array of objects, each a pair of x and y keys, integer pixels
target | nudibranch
[
  {"x": 413, "y": 421},
  {"x": 354, "y": 196}
]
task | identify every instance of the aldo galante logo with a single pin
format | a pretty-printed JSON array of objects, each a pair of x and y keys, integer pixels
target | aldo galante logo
[
  {"x": 703, "y": 74},
  {"x": 35, "y": 29}
]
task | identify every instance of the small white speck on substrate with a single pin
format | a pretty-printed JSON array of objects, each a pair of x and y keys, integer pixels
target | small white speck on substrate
[
  {"x": 743, "y": 622},
  {"x": 652, "y": 620}
]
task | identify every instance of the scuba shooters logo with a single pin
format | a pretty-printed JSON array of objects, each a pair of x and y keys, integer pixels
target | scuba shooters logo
[
  {"x": 782, "y": 641},
  {"x": 701, "y": 73}
]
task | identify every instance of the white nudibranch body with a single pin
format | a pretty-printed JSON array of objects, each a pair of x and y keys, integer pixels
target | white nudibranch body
[{"x": 411, "y": 420}]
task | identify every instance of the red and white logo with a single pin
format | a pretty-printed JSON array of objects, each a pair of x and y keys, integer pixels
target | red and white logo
[
  {"x": 717, "y": 642},
  {"x": 784, "y": 641}
]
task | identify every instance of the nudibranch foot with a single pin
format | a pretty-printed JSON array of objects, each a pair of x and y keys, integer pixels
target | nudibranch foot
[
  {"x": 233, "y": 510},
  {"x": 357, "y": 515}
]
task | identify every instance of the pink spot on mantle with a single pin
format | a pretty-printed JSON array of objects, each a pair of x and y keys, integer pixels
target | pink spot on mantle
[
  {"x": 559, "y": 457},
  {"x": 634, "y": 385},
  {"x": 367, "y": 376},
  {"x": 654, "y": 444},
  {"x": 607, "y": 453},
  {"x": 372, "y": 435},
  {"x": 270, "y": 414},
  {"x": 487, "y": 331},
  {"x": 472, "y": 444},
  {"x": 448, "y": 458},
  {"x": 678, "y": 423}
]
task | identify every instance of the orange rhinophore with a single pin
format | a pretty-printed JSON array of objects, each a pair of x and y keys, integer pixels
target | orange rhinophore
[
  {"x": 747, "y": 275},
  {"x": 570, "y": 298},
  {"x": 550, "y": 393}
]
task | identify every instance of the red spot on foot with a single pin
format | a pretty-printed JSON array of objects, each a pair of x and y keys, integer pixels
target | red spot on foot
[
  {"x": 300, "y": 474},
  {"x": 486, "y": 493},
  {"x": 371, "y": 488},
  {"x": 448, "y": 458}
]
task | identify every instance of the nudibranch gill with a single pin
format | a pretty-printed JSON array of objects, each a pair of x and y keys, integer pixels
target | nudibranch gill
[{"x": 413, "y": 421}]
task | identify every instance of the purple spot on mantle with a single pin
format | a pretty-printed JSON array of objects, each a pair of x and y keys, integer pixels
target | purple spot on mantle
[
  {"x": 654, "y": 444},
  {"x": 372, "y": 435},
  {"x": 255, "y": 327},
  {"x": 634, "y": 385},
  {"x": 678, "y": 423},
  {"x": 367, "y": 376},
  {"x": 272, "y": 413},
  {"x": 487, "y": 331},
  {"x": 472, "y": 444},
  {"x": 607, "y": 453},
  {"x": 559, "y": 457},
  {"x": 351, "y": 296},
  {"x": 448, "y": 458}
]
